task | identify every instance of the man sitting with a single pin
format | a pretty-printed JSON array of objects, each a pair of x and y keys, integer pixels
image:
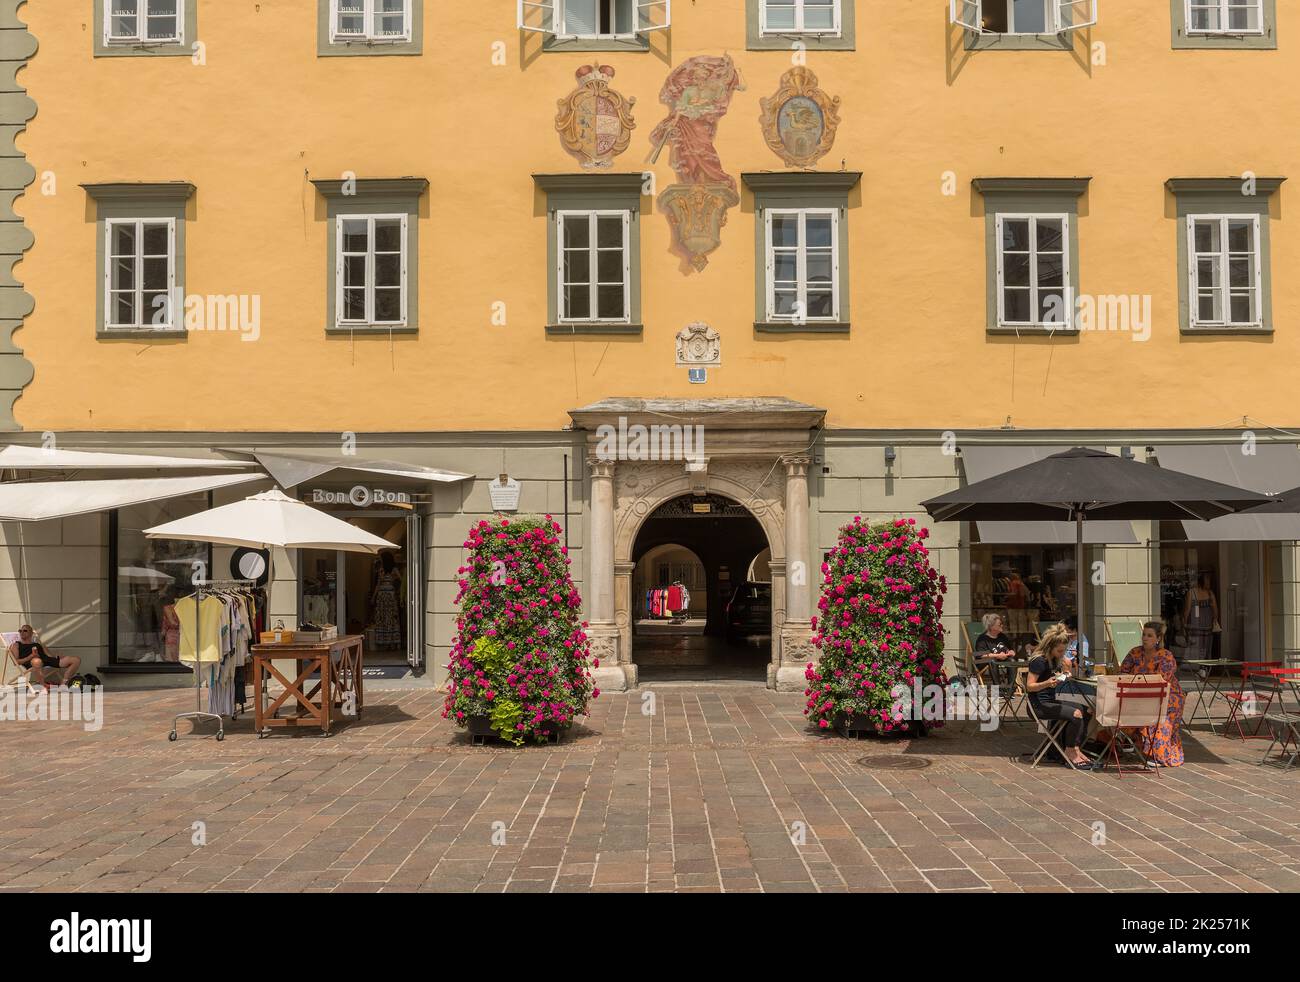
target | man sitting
[{"x": 32, "y": 656}]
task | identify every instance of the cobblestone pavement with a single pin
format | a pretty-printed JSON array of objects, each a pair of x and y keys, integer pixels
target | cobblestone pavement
[{"x": 709, "y": 793}]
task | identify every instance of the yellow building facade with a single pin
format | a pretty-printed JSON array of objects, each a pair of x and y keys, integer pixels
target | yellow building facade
[{"x": 871, "y": 249}]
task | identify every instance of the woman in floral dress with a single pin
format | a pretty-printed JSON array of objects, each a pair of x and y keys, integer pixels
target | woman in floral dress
[{"x": 1161, "y": 744}]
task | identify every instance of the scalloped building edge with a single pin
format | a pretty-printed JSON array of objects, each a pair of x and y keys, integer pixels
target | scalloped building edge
[{"x": 17, "y": 108}]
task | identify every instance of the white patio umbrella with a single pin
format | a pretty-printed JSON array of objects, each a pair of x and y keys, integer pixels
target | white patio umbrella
[{"x": 271, "y": 520}]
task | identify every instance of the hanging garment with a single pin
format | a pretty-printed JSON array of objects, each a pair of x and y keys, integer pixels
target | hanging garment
[
  {"x": 388, "y": 626},
  {"x": 207, "y": 624},
  {"x": 674, "y": 599}
]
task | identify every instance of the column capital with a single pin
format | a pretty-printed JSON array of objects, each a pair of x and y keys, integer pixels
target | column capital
[
  {"x": 796, "y": 465},
  {"x": 600, "y": 467}
]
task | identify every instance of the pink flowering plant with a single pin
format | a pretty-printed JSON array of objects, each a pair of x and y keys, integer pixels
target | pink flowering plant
[
  {"x": 521, "y": 655},
  {"x": 878, "y": 625}
]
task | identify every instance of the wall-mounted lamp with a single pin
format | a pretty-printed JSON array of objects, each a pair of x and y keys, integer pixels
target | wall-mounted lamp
[
  {"x": 1126, "y": 453},
  {"x": 891, "y": 455}
]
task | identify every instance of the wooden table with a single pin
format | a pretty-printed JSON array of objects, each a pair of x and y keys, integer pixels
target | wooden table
[{"x": 337, "y": 667}]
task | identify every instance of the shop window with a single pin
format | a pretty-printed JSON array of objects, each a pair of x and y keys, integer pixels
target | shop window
[
  {"x": 825, "y": 25},
  {"x": 803, "y": 264},
  {"x": 148, "y": 578},
  {"x": 593, "y": 266},
  {"x": 1029, "y": 586},
  {"x": 140, "y": 258},
  {"x": 1224, "y": 274},
  {"x": 370, "y": 271},
  {"x": 374, "y": 255},
  {"x": 144, "y": 27},
  {"x": 593, "y": 253},
  {"x": 1022, "y": 23},
  {"x": 370, "y": 27},
  {"x": 802, "y": 250},
  {"x": 1033, "y": 253},
  {"x": 1033, "y": 271},
  {"x": 592, "y": 24}
]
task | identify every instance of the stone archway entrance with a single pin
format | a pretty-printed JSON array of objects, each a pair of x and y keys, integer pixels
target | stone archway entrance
[
  {"x": 692, "y": 555},
  {"x": 752, "y": 451}
]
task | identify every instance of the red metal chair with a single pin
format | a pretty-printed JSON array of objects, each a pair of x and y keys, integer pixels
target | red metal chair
[
  {"x": 1245, "y": 701},
  {"x": 1132, "y": 705}
]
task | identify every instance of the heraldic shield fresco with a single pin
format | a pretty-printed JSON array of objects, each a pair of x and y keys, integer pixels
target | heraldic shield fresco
[
  {"x": 698, "y": 94},
  {"x": 800, "y": 120},
  {"x": 594, "y": 122}
]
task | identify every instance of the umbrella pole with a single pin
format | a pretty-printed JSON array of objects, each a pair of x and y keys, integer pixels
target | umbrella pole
[{"x": 1080, "y": 601}]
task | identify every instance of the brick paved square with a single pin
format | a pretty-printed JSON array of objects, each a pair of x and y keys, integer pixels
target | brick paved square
[{"x": 706, "y": 799}]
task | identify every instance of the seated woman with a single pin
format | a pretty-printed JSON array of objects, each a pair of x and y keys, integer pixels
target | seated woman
[
  {"x": 1161, "y": 744},
  {"x": 1044, "y": 675},
  {"x": 995, "y": 643}
]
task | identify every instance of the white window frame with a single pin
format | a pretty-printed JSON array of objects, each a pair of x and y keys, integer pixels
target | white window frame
[
  {"x": 143, "y": 318},
  {"x": 142, "y": 25},
  {"x": 547, "y": 17},
  {"x": 339, "y": 306},
  {"x": 593, "y": 284},
  {"x": 801, "y": 266},
  {"x": 1035, "y": 288},
  {"x": 836, "y": 30},
  {"x": 970, "y": 15},
  {"x": 1225, "y": 289},
  {"x": 370, "y": 9},
  {"x": 1224, "y": 9}
]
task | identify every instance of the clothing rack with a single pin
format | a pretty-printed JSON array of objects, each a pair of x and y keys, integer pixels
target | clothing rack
[{"x": 204, "y": 588}]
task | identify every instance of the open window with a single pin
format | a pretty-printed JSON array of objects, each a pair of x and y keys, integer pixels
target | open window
[
  {"x": 1024, "y": 17},
  {"x": 594, "y": 20}
]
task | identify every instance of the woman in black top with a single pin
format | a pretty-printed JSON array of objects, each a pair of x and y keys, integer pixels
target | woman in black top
[
  {"x": 1041, "y": 681},
  {"x": 995, "y": 643}
]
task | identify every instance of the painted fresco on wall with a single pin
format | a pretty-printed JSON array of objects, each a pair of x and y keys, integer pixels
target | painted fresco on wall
[
  {"x": 698, "y": 94},
  {"x": 799, "y": 120},
  {"x": 594, "y": 122}
]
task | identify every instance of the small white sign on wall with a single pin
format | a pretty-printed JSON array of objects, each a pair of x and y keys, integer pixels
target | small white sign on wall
[{"x": 504, "y": 493}]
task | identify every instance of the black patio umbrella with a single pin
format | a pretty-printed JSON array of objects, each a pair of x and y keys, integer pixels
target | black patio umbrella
[{"x": 1081, "y": 484}]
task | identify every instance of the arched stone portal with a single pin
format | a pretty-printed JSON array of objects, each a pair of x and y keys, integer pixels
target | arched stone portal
[{"x": 753, "y": 451}]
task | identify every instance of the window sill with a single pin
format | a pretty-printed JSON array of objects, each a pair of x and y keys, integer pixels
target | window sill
[
  {"x": 808, "y": 327},
  {"x": 145, "y": 668},
  {"x": 1031, "y": 330},
  {"x": 137, "y": 48},
  {"x": 594, "y": 329},
  {"x": 382, "y": 330},
  {"x": 811, "y": 41},
  {"x": 1224, "y": 42},
  {"x": 553, "y": 43},
  {"x": 375, "y": 49},
  {"x": 1226, "y": 332},
  {"x": 1019, "y": 42},
  {"x": 141, "y": 334}
]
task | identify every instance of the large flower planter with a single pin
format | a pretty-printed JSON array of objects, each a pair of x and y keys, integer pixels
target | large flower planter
[
  {"x": 480, "y": 731},
  {"x": 858, "y": 727}
]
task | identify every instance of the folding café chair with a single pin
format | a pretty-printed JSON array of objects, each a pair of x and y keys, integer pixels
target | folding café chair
[
  {"x": 1126, "y": 703},
  {"x": 1051, "y": 731},
  {"x": 1283, "y": 725},
  {"x": 1019, "y": 698},
  {"x": 1248, "y": 697}
]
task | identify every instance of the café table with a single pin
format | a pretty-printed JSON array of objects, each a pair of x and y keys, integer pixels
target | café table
[
  {"x": 1203, "y": 669},
  {"x": 334, "y": 666}
]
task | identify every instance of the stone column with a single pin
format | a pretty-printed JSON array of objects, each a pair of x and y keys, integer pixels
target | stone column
[
  {"x": 602, "y": 629},
  {"x": 796, "y": 646}
]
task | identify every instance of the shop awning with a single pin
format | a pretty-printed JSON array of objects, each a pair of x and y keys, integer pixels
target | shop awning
[
  {"x": 41, "y": 459},
  {"x": 290, "y": 470},
  {"x": 983, "y": 462},
  {"x": 37, "y": 501},
  {"x": 1271, "y": 469}
]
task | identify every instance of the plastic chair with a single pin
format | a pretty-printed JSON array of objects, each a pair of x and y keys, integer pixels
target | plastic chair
[{"x": 1125, "y": 703}]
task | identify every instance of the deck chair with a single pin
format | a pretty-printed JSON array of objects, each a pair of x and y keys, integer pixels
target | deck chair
[
  {"x": 971, "y": 630},
  {"x": 1126, "y": 703},
  {"x": 11, "y": 673},
  {"x": 1122, "y": 636},
  {"x": 1042, "y": 627}
]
